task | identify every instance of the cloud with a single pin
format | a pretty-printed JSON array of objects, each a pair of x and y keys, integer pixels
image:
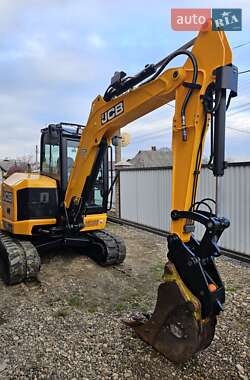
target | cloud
[
  {"x": 96, "y": 41},
  {"x": 8, "y": 13},
  {"x": 57, "y": 55},
  {"x": 18, "y": 129}
]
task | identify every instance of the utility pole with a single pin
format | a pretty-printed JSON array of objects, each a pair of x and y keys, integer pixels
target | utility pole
[
  {"x": 118, "y": 157},
  {"x": 36, "y": 156}
]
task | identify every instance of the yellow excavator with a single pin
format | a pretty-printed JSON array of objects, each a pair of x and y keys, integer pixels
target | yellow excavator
[{"x": 66, "y": 203}]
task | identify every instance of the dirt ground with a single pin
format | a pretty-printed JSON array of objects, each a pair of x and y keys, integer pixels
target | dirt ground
[
  {"x": 65, "y": 274},
  {"x": 73, "y": 292}
]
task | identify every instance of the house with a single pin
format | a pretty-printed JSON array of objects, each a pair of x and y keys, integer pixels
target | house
[
  {"x": 9, "y": 166},
  {"x": 152, "y": 158}
]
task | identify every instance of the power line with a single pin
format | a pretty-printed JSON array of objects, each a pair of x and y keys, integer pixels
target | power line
[
  {"x": 239, "y": 130},
  {"x": 170, "y": 105},
  {"x": 237, "y": 113},
  {"x": 244, "y": 72},
  {"x": 236, "y": 110},
  {"x": 151, "y": 135},
  {"x": 157, "y": 134},
  {"x": 146, "y": 138},
  {"x": 247, "y": 104},
  {"x": 241, "y": 45}
]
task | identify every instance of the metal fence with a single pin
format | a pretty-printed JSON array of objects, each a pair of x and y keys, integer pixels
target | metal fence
[{"x": 145, "y": 198}]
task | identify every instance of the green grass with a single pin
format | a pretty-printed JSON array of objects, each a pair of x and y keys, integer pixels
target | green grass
[
  {"x": 143, "y": 307},
  {"x": 61, "y": 313},
  {"x": 132, "y": 304},
  {"x": 231, "y": 289},
  {"x": 120, "y": 307},
  {"x": 75, "y": 301},
  {"x": 157, "y": 270},
  {"x": 92, "y": 309}
]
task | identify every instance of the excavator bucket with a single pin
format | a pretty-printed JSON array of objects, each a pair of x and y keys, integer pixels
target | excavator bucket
[{"x": 175, "y": 328}]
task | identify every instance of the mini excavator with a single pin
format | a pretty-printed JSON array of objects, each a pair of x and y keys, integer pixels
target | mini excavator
[{"x": 66, "y": 203}]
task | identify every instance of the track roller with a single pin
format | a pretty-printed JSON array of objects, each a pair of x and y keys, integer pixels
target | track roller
[{"x": 107, "y": 249}]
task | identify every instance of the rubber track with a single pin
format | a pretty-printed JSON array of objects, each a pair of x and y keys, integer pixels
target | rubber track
[
  {"x": 22, "y": 262},
  {"x": 14, "y": 259},
  {"x": 33, "y": 261},
  {"x": 114, "y": 247}
]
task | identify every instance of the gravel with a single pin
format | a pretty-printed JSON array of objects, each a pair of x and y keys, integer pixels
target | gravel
[{"x": 62, "y": 328}]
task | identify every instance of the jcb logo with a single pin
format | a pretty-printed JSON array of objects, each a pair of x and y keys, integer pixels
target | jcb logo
[
  {"x": 7, "y": 196},
  {"x": 113, "y": 112}
]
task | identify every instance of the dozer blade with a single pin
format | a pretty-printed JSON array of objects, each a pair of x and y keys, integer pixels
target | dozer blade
[{"x": 176, "y": 329}]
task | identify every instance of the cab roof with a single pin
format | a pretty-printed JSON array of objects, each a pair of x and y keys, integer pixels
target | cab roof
[{"x": 70, "y": 129}]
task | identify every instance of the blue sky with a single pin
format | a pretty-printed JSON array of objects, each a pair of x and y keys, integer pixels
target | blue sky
[{"x": 57, "y": 55}]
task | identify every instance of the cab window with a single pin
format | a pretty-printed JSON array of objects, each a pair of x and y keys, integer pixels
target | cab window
[
  {"x": 96, "y": 195},
  {"x": 51, "y": 160},
  {"x": 72, "y": 146}
]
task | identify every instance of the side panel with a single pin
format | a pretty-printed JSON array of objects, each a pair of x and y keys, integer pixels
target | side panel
[
  {"x": 28, "y": 200},
  {"x": 37, "y": 203},
  {"x": 25, "y": 227},
  {"x": 7, "y": 202}
]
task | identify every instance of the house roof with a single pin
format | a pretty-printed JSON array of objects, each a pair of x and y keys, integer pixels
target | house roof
[
  {"x": 152, "y": 158},
  {"x": 5, "y": 165}
]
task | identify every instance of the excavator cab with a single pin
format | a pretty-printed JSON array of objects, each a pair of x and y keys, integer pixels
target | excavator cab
[{"x": 59, "y": 144}]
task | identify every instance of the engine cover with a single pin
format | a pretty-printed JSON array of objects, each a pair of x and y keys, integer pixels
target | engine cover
[{"x": 28, "y": 200}]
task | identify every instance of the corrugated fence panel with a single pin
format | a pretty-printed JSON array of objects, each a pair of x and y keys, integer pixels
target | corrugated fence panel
[
  {"x": 147, "y": 187},
  {"x": 235, "y": 190},
  {"x": 146, "y": 199},
  {"x": 128, "y": 196}
]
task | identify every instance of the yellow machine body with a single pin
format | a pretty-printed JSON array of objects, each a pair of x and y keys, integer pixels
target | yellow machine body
[{"x": 9, "y": 207}]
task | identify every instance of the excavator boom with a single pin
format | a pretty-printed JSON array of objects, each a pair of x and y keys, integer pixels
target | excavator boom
[
  {"x": 192, "y": 293},
  {"x": 118, "y": 108}
]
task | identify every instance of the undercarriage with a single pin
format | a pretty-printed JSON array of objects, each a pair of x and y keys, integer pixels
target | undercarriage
[{"x": 20, "y": 258}]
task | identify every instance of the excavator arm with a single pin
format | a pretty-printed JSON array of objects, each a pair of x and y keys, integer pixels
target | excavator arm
[
  {"x": 192, "y": 293},
  {"x": 111, "y": 113}
]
